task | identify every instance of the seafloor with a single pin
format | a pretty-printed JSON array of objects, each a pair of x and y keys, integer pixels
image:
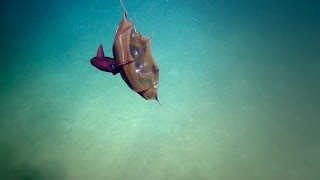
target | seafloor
[{"x": 239, "y": 91}]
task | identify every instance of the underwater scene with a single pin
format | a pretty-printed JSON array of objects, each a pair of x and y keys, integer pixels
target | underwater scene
[{"x": 159, "y": 90}]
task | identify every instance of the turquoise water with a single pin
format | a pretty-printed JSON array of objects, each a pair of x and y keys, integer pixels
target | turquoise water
[{"x": 239, "y": 91}]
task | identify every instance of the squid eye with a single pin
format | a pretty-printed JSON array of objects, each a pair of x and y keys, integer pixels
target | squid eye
[{"x": 134, "y": 51}]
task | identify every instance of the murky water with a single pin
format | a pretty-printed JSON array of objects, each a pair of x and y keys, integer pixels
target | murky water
[{"x": 239, "y": 91}]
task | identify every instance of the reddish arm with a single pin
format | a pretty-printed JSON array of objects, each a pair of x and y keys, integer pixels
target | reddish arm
[{"x": 103, "y": 63}]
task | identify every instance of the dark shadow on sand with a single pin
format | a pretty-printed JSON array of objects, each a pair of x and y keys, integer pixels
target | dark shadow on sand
[{"x": 12, "y": 168}]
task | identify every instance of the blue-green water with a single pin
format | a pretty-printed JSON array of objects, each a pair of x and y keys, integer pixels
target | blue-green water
[{"x": 239, "y": 88}]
